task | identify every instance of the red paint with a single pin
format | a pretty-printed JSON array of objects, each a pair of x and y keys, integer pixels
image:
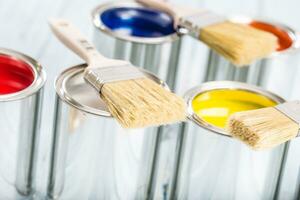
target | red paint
[
  {"x": 284, "y": 40},
  {"x": 15, "y": 75}
]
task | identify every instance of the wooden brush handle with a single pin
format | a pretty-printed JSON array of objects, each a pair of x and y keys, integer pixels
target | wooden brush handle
[
  {"x": 75, "y": 41},
  {"x": 176, "y": 11}
]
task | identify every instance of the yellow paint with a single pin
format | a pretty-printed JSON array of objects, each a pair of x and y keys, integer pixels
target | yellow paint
[{"x": 216, "y": 106}]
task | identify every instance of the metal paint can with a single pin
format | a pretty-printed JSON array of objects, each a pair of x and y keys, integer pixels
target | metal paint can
[
  {"x": 276, "y": 73},
  {"x": 21, "y": 92},
  {"x": 146, "y": 37},
  {"x": 212, "y": 165},
  {"x": 92, "y": 157}
]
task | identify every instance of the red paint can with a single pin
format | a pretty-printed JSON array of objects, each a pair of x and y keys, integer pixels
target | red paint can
[{"x": 21, "y": 85}]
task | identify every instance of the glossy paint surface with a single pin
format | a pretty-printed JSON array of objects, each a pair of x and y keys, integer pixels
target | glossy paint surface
[
  {"x": 15, "y": 75},
  {"x": 139, "y": 22}
]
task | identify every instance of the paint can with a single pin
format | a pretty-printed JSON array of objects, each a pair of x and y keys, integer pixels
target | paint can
[
  {"x": 212, "y": 165},
  {"x": 277, "y": 73},
  {"x": 146, "y": 37},
  {"x": 92, "y": 157},
  {"x": 21, "y": 92}
]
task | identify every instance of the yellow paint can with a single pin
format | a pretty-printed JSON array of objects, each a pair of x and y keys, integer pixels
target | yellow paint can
[{"x": 212, "y": 164}]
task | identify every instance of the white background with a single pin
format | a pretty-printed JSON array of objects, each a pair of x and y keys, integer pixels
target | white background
[{"x": 24, "y": 28}]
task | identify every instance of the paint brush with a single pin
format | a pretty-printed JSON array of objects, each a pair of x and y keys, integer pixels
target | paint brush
[
  {"x": 267, "y": 127},
  {"x": 239, "y": 43},
  {"x": 133, "y": 99}
]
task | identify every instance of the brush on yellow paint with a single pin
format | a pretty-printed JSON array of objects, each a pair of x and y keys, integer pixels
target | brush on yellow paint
[
  {"x": 239, "y": 43},
  {"x": 268, "y": 127},
  {"x": 134, "y": 100},
  {"x": 215, "y": 107}
]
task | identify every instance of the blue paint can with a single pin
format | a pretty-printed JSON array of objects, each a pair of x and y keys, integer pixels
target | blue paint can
[
  {"x": 147, "y": 38},
  {"x": 141, "y": 35}
]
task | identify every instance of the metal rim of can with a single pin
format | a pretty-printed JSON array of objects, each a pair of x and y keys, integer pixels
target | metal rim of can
[
  {"x": 217, "y": 85},
  {"x": 67, "y": 74},
  {"x": 141, "y": 40},
  {"x": 293, "y": 34},
  {"x": 38, "y": 72}
]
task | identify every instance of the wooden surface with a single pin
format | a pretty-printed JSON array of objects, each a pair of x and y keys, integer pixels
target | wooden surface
[{"x": 24, "y": 28}]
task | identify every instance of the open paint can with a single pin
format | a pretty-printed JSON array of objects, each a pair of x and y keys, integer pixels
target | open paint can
[
  {"x": 146, "y": 37},
  {"x": 21, "y": 83},
  {"x": 213, "y": 165},
  {"x": 277, "y": 73},
  {"x": 92, "y": 157}
]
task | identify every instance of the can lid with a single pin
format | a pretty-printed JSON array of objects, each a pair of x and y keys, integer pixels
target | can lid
[
  {"x": 21, "y": 76},
  {"x": 71, "y": 88},
  {"x": 133, "y": 22},
  {"x": 222, "y": 85}
]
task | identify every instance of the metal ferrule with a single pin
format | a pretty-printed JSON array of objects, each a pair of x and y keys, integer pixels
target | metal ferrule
[
  {"x": 291, "y": 110},
  {"x": 194, "y": 23},
  {"x": 99, "y": 76}
]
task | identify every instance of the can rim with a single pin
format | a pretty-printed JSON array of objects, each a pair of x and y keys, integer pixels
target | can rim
[
  {"x": 141, "y": 40},
  {"x": 293, "y": 34},
  {"x": 65, "y": 75},
  {"x": 216, "y": 85},
  {"x": 38, "y": 72}
]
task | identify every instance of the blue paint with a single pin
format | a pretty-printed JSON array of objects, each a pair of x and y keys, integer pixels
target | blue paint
[{"x": 139, "y": 22}]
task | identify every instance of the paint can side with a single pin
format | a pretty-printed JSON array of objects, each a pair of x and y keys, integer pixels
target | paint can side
[
  {"x": 21, "y": 93},
  {"x": 92, "y": 156},
  {"x": 212, "y": 164}
]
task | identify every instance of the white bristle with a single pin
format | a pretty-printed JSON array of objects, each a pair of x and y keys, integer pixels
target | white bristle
[
  {"x": 239, "y": 43},
  {"x": 263, "y": 128},
  {"x": 142, "y": 102}
]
